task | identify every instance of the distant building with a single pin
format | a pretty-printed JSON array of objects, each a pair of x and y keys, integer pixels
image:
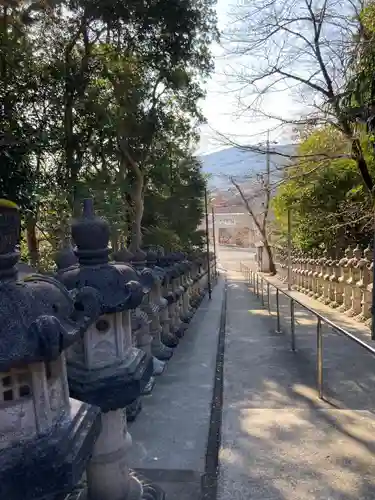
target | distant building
[{"x": 232, "y": 227}]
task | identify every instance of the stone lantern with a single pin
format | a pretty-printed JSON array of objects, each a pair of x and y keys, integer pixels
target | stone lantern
[
  {"x": 167, "y": 336},
  {"x": 135, "y": 324},
  {"x": 145, "y": 311},
  {"x": 197, "y": 275},
  {"x": 47, "y": 438},
  {"x": 105, "y": 367},
  {"x": 140, "y": 318},
  {"x": 188, "y": 283},
  {"x": 172, "y": 294},
  {"x": 157, "y": 305},
  {"x": 183, "y": 266},
  {"x": 177, "y": 291}
]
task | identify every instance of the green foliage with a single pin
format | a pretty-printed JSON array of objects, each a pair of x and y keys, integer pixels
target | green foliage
[
  {"x": 359, "y": 97},
  {"x": 101, "y": 99},
  {"x": 174, "y": 200},
  {"x": 327, "y": 199}
]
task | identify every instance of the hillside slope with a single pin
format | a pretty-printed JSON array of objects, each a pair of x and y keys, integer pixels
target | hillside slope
[{"x": 243, "y": 165}]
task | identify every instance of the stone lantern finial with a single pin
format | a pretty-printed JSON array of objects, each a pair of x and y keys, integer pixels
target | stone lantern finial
[
  {"x": 139, "y": 259},
  {"x": 10, "y": 225},
  {"x": 367, "y": 253},
  {"x": 65, "y": 257},
  {"x": 122, "y": 255},
  {"x": 91, "y": 235}
]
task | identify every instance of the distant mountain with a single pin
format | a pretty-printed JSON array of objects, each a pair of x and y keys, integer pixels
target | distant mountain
[{"x": 244, "y": 165}]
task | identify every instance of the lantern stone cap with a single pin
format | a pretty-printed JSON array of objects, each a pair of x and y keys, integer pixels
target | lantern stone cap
[
  {"x": 39, "y": 319},
  {"x": 170, "y": 270},
  {"x": 139, "y": 257},
  {"x": 178, "y": 261},
  {"x": 65, "y": 257},
  {"x": 145, "y": 275},
  {"x": 147, "y": 278},
  {"x": 122, "y": 255},
  {"x": 117, "y": 283}
]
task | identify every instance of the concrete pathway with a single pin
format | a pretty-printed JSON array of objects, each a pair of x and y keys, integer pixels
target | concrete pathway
[
  {"x": 279, "y": 441},
  {"x": 170, "y": 434}
]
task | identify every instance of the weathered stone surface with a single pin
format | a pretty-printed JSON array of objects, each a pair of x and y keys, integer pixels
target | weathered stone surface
[
  {"x": 39, "y": 319},
  {"x": 52, "y": 464},
  {"x": 113, "y": 387},
  {"x": 117, "y": 284}
]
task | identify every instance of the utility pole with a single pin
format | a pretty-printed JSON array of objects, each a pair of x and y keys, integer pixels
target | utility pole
[
  {"x": 289, "y": 249},
  {"x": 207, "y": 245},
  {"x": 266, "y": 185},
  {"x": 214, "y": 239},
  {"x": 373, "y": 296},
  {"x": 268, "y": 163}
]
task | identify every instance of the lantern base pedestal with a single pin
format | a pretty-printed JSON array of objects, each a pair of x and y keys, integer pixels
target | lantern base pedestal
[{"x": 150, "y": 491}]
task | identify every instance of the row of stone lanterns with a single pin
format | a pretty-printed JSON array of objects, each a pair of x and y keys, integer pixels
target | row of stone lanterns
[
  {"x": 342, "y": 283},
  {"x": 76, "y": 351}
]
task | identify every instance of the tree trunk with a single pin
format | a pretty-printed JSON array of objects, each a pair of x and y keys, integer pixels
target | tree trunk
[
  {"x": 76, "y": 205},
  {"x": 32, "y": 241},
  {"x": 137, "y": 204},
  {"x": 114, "y": 239},
  {"x": 260, "y": 225},
  {"x": 357, "y": 152},
  {"x": 270, "y": 256}
]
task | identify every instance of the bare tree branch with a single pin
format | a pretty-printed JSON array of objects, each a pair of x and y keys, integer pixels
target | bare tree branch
[{"x": 302, "y": 48}]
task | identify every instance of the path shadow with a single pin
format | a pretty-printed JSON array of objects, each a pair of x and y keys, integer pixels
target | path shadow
[{"x": 279, "y": 441}]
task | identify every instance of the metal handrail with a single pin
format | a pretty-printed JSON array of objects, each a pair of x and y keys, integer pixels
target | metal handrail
[{"x": 253, "y": 280}]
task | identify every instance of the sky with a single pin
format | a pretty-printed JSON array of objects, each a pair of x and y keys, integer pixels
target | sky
[{"x": 221, "y": 109}]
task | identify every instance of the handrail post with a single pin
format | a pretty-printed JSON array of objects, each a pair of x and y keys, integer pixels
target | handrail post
[
  {"x": 319, "y": 346},
  {"x": 268, "y": 298},
  {"x": 292, "y": 325},
  {"x": 278, "y": 329},
  {"x": 262, "y": 291}
]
